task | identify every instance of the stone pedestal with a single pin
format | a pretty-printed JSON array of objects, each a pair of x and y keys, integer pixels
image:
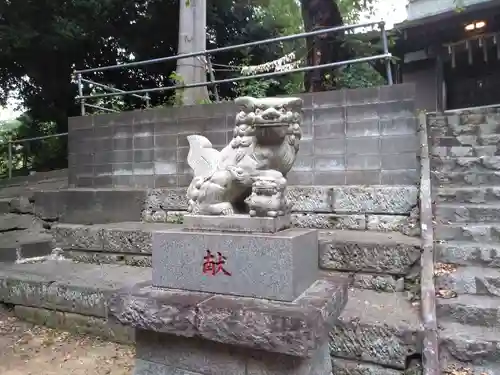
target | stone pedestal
[{"x": 244, "y": 299}]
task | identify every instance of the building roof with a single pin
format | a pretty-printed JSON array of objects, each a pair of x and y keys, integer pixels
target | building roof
[{"x": 446, "y": 27}]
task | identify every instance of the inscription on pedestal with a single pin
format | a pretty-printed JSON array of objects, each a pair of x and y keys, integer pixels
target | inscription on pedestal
[{"x": 277, "y": 266}]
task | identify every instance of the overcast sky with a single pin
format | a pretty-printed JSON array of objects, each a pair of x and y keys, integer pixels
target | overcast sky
[{"x": 391, "y": 11}]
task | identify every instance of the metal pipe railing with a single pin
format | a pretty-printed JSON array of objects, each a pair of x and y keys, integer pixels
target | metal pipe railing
[
  {"x": 386, "y": 56},
  {"x": 112, "y": 88},
  {"x": 11, "y": 142},
  {"x": 243, "y": 78}
]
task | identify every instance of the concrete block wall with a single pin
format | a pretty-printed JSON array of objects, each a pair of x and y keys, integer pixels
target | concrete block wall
[{"x": 351, "y": 137}]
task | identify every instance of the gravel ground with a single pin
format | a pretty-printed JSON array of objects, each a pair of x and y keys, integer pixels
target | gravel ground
[{"x": 26, "y": 349}]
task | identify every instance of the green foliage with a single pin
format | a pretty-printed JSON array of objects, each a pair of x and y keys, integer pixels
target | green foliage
[
  {"x": 42, "y": 42},
  {"x": 358, "y": 76}
]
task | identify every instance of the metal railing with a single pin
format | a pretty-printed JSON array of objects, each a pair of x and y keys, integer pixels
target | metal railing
[
  {"x": 78, "y": 74},
  {"x": 10, "y": 148}
]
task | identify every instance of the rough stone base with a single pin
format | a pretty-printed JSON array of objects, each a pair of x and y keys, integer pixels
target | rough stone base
[
  {"x": 168, "y": 355},
  {"x": 295, "y": 329}
]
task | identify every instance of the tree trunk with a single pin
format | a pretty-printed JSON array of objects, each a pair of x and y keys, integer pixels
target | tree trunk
[
  {"x": 322, "y": 49},
  {"x": 192, "y": 38}
]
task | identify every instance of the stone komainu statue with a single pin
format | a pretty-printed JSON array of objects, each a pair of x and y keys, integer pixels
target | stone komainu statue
[{"x": 249, "y": 174}]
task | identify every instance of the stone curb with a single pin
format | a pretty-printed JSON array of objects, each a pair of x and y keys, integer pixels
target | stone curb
[
  {"x": 430, "y": 354},
  {"x": 294, "y": 328}
]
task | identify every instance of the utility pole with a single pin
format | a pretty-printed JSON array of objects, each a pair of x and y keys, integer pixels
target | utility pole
[{"x": 192, "y": 38}]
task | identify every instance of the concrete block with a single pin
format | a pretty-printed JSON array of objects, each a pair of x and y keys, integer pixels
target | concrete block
[
  {"x": 399, "y": 143},
  {"x": 334, "y": 129},
  {"x": 405, "y": 91},
  {"x": 165, "y": 154},
  {"x": 237, "y": 223},
  {"x": 329, "y": 99},
  {"x": 327, "y": 116},
  {"x": 329, "y": 178},
  {"x": 400, "y": 177},
  {"x": 363, "y": 145},
  {"x": 407, "y": 160},
  {"x": 303, "y": 163},
  {"x": 144, "y": 142},
  {"x": 330, "y": 163},
  {"x": 166, "y": 167},
  {"x": 142, "y": 156},
  {"x": 277, "y": 266},
  {"x": 144, "y": 182},
  {"x": 362, "y": 95},
  {"x": 300, "y": 178},
  {"x": 398, "y": 126},
  {"x": 363, "y": 128},
  {"x": 123, "y": 143},
  {"x": 363, "y": 162},
  {"x": 329, "y": 146},
  {"x": 362, "y": 177},
  {"x": 362, "y": 112},
  {"x": 396, "y": 109}
]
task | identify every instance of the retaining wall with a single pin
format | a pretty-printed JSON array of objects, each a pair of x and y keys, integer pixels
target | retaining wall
[{"x": 351, "y": 137}]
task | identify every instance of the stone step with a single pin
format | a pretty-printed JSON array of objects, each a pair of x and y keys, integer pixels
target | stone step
[
  {"x": 90, "y": 206},
  {"x": 469, "y": 280},
  {"x": 467, "y": 213},
  {"x": 474, "y": 164},
  {"x": 382, "y": 253},
  {"x": 465, "y": 178},
  {"x": 66, "y": 286},
  {"x": 5, "y": 205},
  {"x": 69, "y": 296},
  {"x": 468, "y": 194},
  {"x": 470, "y": 344},
  {"x": 469, "y": 309},
  {"x": 449, "y": 366},
  {"x": 357, "y": 251},
  {"x": 491, "y": 139},
  {"x": 463, "y": 151},
  {"x": 485, "y": 233},
  {"x": 24, "y": 244},
  {"x": 476, "y": 124},
  {"x": 117, "y": 238},
  {"x": 350, "y": 367},
  {"x": 380, "y": 328},
  {"x": 468, "y": 253},
  {"x": 370, "y": 281}
]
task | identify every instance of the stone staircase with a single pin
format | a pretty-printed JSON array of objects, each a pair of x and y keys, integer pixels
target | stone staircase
[{"x": 466, "y": 189}]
